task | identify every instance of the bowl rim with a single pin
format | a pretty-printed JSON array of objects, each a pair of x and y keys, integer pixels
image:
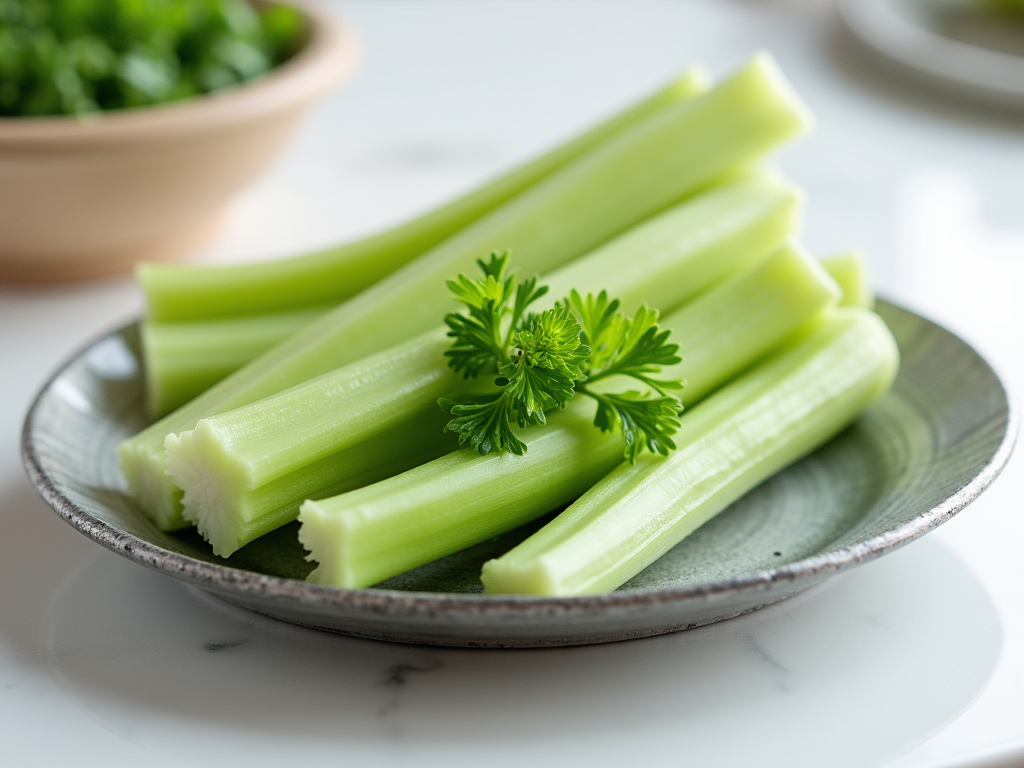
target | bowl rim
[
  {"x": 233, "y": 582},
  {"x": 327, "y": 58}
]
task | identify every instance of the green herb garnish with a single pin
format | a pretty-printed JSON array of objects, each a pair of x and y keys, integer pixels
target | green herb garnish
[{"x": 542, "y": 360}]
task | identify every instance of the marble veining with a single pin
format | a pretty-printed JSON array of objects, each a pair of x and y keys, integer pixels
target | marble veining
[
  {"x": 780, "y": 673},
  {"x": 396, "y": 678},
  {"x": 228, "y": 645}
]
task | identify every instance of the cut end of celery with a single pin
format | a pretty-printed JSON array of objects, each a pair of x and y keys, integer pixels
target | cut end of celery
[
  {"x": 767, "y": 67},
  {"x": 507, "y": 577},
  {"x": 197, "y": 462},
  {"x": 850, "y": 270},
  {"x": 324, "y": 536},
  {"x": 156, "y": 494},
  {"x": 692, "y": 82}
]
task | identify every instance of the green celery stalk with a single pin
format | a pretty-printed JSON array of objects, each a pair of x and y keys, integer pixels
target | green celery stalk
[
  {"x": 759, "y": 424},
  {"x": 187, "y": 352},
  {"x": 633, "y": 176},
  {"x": 184, "y": 359},
  {"x": 369, "y": 534},
  {"x": 850, "y": 270},
  {"x": 673, "y": 256},
  {"x": 176, "y": 292},
  {"x": 418, "y": 440}
]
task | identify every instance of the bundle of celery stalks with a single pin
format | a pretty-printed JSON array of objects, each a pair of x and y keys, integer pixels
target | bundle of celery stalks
[{"x": 308, "y": 387}]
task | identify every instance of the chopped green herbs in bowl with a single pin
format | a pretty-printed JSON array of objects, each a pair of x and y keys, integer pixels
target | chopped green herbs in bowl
[
  {"x": 78, "y": 56},
  {"x": 133, "y": 122}
]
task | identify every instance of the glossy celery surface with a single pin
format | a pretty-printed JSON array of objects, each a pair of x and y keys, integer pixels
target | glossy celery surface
[
  {"x": 182, "y": 360},
  {"x": 177, "y": 292},
  {"x": 850, "y": 270},
  {"x": 228, "y": 457},
  {"x": 364, "y": 536},
  {"x": 633, "y": 176},
  {"x": 762, "y": 422}
]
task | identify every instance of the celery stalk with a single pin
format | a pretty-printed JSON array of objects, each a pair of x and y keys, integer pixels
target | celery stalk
[
  {"x": 364, "y": 536},
  {"x": 184, "y": 355},
  {"x": 762, "y": 422},
  {"x": 850, "y": 270},
  {"x": 184, "y": 359},
  {"x": 177, "y": 292},
  {"x": 418, "y": 440},
  {"x": 636, "y": 174},
  {"x": 675, "y": 255}
]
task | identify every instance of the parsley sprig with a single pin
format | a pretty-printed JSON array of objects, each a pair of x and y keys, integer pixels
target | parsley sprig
[{"x": 541, "y": 360}]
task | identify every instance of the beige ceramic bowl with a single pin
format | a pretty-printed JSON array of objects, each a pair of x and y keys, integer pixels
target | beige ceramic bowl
[{"x": 85, "y": 198}]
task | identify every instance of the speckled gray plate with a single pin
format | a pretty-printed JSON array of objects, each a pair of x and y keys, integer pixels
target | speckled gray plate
[{"x": 916, "y": 459}]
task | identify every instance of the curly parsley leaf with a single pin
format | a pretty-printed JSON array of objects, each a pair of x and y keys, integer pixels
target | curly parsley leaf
[
  {"x": 634, "y": 347},
  {"x": 484, "y": 422},
  {"x": 545, "y": 364},
  {"x": 542, "y": 360},
  {"x": 483, "y": 334},
  {"x": 644, "y": 421}
]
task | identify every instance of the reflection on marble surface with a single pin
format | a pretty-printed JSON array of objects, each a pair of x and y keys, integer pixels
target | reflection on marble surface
[{"x": 892, "y": 651}]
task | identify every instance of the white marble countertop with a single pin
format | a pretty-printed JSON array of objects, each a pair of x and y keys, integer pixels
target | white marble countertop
[{"x": 913, "y": 661}]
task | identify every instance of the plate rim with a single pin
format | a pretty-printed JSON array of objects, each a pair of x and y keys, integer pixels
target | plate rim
[
  {"x": 996, "y": 75},
  {"x": 245, "y": 583}
]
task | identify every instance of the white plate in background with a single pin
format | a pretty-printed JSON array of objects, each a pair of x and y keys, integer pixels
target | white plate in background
[{"x": 951, "y": 42}]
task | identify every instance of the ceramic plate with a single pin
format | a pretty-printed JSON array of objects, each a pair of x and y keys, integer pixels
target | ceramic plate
[
  {"x": 918, "y": 457},
  {"x": 950, "y": 42}
]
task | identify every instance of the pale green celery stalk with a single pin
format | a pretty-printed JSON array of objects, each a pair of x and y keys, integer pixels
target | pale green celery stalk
[
  {"x": 636, "y": 174},
  {"x": 367, "y": 535},
  {"x": 184, "y": 359},
  {"x": 850, "y": 270},
  {"x": 186, "y": 352},
  {"x": 673, "y": 256},
  {"x": 762, "y": 422},
  {"x": 420, "y": 439},
  {"x": 176, "y": 292}
]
